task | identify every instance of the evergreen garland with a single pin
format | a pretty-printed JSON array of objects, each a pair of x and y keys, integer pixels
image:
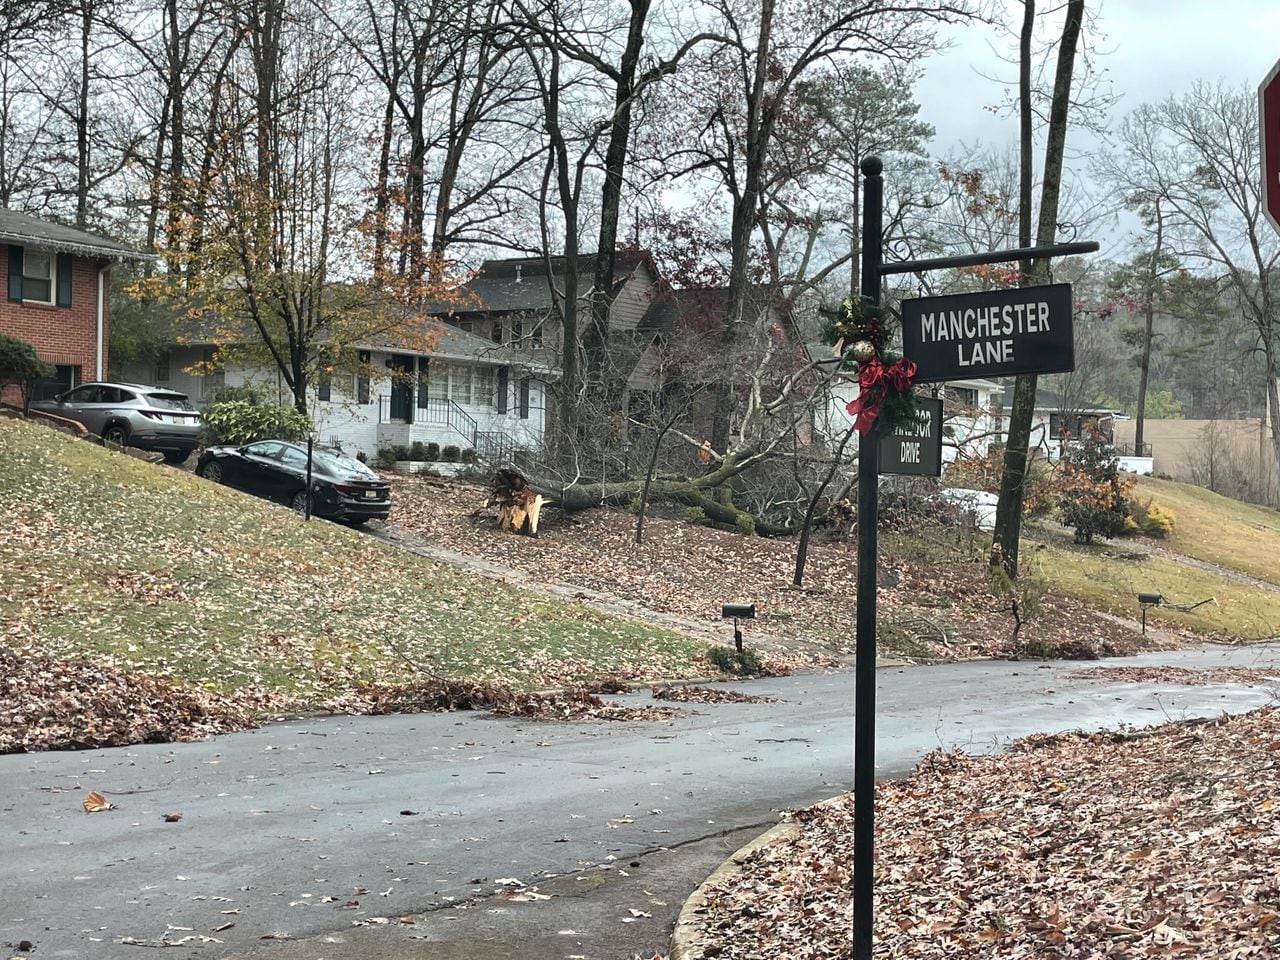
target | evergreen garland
[{"x": 886, "y": 399}]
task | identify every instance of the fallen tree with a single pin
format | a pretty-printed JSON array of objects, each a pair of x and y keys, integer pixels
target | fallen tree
[{"x": 781, "y": 395}]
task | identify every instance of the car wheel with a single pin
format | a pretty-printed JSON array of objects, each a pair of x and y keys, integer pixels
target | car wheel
[
  {"x": 116, "y": 433},
  {"x": 176, "y": 456},
  {"x": 299, "y": 501},
  {"x": 211, "y": 471}
]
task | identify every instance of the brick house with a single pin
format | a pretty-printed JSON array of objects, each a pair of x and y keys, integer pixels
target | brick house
[{"x": 56, "y": 280}]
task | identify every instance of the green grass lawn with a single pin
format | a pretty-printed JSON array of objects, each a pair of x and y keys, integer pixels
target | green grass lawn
[
  {"x": 102, "y": 553},
  {"x": 1210, "y": 527},
  {"x": 1109, "y": 577}
]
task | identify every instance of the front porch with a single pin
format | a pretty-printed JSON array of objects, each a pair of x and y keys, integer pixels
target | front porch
[{"x": 494, "y": 437}]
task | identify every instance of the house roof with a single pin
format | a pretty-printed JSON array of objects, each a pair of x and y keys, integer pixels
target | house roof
[
  {"x": 520, "y": 283},
  {"x": 455, "y": 344},
  {"x": 18, "y": 228},
  {"x": 1051, "y": 401}
]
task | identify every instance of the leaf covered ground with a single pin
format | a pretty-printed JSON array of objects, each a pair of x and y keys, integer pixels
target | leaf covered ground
[
  {"x": 932, "y": 604},
  {"x": 152, "y": 579},
  {"x": 1154, "y": 843}
]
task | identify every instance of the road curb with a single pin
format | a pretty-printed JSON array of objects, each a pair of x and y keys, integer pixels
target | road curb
[{"x": 686, "y": 943}]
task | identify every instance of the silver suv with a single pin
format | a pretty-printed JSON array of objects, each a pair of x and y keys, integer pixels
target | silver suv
[{"x": 132, "y": 415}]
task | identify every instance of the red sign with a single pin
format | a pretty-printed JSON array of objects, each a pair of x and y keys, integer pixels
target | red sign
[{"x": 1269, "y": 125}]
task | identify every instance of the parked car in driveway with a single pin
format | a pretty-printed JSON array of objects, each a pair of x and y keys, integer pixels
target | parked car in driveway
[
  {"x": 342, "y": 489},
  {"x": 132, "y": 415}
]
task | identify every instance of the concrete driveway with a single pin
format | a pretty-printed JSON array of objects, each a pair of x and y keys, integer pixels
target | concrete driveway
[{"x": 320, "y": 835}]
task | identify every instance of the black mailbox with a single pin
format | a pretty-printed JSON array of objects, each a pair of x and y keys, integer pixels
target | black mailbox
[{"x": 738, "y": 611}]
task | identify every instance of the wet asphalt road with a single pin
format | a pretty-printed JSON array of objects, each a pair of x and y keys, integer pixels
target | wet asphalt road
[{"x": 307, "y": 828}]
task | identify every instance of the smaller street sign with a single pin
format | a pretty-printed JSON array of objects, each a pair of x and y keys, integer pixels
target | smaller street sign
[
  {"x": 1269, "y": 130},
  {"x": 916, "y": 451},
  {"x": 995, "y": 333}
]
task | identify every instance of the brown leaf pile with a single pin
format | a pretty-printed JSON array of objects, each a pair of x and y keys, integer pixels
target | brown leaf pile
[
  {"x": 939, "y": 610},
  {"x": 431, "y": 694},
  {"x": 54, "y": 704},
  {"x": 576, "y": 705},
  {"x": 707, "y": 695},
  {"x": 1250, "y": 676},
  {"x": 1162, "y": 845}
]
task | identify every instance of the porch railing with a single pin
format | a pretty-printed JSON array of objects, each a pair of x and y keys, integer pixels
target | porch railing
[{"x": 439, "y": 411}]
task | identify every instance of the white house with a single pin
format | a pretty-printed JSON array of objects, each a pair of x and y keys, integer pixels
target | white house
[
  {"x": 970, "y": 411},
  {"x": 1052, "y": 427},
  {"x": 465, "y": 391}
]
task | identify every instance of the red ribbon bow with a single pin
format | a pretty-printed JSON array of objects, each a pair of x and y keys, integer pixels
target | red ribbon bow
[{"x": 875, "y": 381}]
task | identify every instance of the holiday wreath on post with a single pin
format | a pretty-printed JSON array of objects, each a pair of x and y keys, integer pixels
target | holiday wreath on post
[{"x": 885, "y": 395}]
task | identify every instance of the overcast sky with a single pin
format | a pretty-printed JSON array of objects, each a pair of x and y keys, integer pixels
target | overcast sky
[{"x": 1148, "y": 49}]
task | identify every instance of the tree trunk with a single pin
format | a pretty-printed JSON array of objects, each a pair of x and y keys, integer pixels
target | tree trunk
[
  {"x": 596, "y": 339},
  {"x": 82, "y": 117},
  {"x": 802, "y": 548},
  {"x": 648, "y": 479},
  {"x": 1013, "y": 479},
  {"x": 759, "y": 129},
  {"x": 1150, "y": 310}
]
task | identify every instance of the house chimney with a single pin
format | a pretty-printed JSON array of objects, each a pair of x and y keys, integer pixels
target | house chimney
[{"x": 517, "y": 273}]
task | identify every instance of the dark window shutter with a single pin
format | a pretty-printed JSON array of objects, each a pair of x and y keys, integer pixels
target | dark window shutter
[
  {"x": 64, "y": 279},
  {"x": 15, "y": 273},
  {"x": 424, "y": 382},
  {"x": 362, "y": 376},
  {"x": 504, "y": 386},
  {"x": 524, "y": 398}
]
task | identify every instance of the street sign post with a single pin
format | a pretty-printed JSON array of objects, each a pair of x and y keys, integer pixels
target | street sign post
[
  {"x": 1048, "y": 313},
  {"x": 916, "y": 451},
  {"x": 995, "y": 333},
  {"x": 1269, "y": 131}
]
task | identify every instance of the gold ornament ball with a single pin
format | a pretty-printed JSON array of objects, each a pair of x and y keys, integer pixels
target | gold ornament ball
[{"x": 863, "y": 351}]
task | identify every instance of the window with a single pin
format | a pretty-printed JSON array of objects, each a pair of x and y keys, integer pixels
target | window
[
  {"x": 460, "y": 384},
  {"x": 87, "y": 394},
  {"x": 438, "y": 384},
  {"x": 483, "y": 395},
  {"x": 293, "y": 457},
  {"x": 495, "y": 332},
  {"x": 517, "y": 330},
  {"x": 268, "y": 448},
  {"x": 212, "y": 378},
  {"x": 965, "y": 396},
  {"x": 535, "y": 335},
  {"x": 37, "y": 277},
  {"x": 162, "y": 367}
]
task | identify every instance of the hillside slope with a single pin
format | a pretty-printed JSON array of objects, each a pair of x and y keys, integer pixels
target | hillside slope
[{"x": 151, "y": 569}]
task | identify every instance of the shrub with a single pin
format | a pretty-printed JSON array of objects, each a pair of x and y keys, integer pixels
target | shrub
[
  {"x": 1092, "y": 495},
  {"x": 469, "y": 455},
  {"x": 21, "y": 366},
  {"x": 746, "y": 523},
  {"x": 362, "y": 456},
  {"x": 1158, "y": 522},
  {"x": 401, "y": 451},
  {"x": 241, "y": 421},
  {"x": 433, "y": 451},
  {"x": 418, "y": 451},
  {"x": 742, "y": 663},
  {"x": 385, "y": 458},
  {"x": 695, "y": 515},
  {"x": 451, "y": 454}
]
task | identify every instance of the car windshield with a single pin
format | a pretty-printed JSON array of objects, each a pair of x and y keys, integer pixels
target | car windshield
[
  {"x": 169, "y": 401},
  {"x": 337, "y": 464}
]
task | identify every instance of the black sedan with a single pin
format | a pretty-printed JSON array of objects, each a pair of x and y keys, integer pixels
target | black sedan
[{"x": 342, "y": 489}]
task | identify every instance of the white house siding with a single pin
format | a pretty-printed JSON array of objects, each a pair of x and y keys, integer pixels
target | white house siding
[
  {"x": 971, "y": 435},
  {"x": 342, "y": 420}
]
